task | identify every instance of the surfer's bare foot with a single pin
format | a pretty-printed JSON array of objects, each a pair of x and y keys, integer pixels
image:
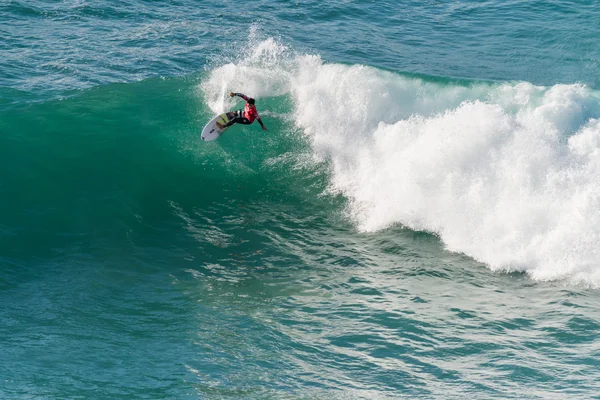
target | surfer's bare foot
[{"x": 219, "y": 126}]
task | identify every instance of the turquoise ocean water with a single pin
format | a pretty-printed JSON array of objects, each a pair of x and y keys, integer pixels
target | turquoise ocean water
[{"x": 421, "y": 220}]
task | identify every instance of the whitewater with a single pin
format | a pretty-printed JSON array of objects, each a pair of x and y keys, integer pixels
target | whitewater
[{"x": 506, "y": 173}]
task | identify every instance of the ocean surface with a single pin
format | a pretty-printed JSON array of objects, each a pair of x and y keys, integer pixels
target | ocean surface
[{"x": 420, "y": 221}]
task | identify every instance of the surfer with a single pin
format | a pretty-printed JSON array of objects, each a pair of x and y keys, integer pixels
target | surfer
[{"x": 245, "y": 116}]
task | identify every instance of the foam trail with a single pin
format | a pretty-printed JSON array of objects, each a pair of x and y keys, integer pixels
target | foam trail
[{"x": 508, "y": 174}]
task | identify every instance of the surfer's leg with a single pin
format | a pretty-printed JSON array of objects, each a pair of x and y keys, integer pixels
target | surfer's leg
[
  {"x": 243, "y": 121},
  {"x": 233, "y": 116},
  {"x": 231, "y": 122}
]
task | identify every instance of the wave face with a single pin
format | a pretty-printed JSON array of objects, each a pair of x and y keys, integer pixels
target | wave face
[{"x": 506, "y": 173}]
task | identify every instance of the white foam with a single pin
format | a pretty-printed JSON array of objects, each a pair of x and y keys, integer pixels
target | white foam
[
  {"x": 508, "y": 174},
  {"x": 262, "y": 69}
]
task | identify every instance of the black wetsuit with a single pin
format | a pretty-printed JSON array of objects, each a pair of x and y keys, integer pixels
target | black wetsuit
[{"x": 237, "y": 117}]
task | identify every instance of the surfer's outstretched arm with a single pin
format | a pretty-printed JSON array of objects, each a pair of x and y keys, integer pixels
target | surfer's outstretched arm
[{"x": 242, "y": 95}]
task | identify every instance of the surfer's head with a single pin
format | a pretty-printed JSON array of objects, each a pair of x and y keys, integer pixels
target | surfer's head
[{"x": 251, "y": 100}]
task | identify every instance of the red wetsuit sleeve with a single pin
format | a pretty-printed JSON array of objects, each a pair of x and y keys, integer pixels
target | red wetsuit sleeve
[{"x": 243, "y": 96}]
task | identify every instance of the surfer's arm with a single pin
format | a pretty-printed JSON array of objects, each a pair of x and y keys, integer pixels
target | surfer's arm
[
  {"x": 243, "y": 96},
  {"x": 264, "y": 128}
]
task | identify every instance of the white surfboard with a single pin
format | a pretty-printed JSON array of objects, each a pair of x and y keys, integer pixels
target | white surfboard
[{"x": 211, "y": 131}]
